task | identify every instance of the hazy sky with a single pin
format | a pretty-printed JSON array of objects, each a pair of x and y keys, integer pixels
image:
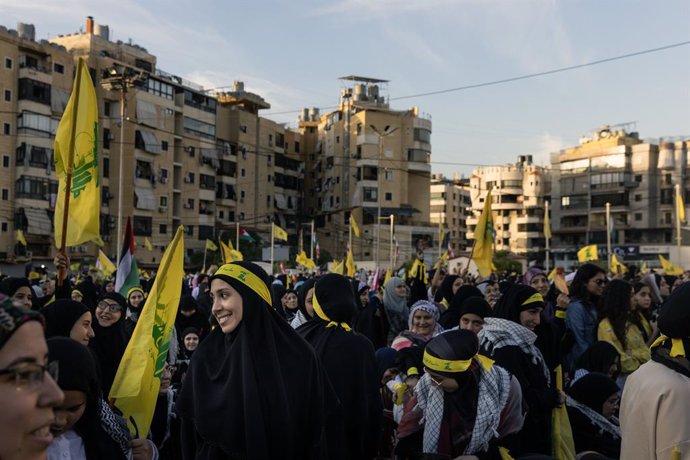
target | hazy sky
[{"x": 292, "y": 53}]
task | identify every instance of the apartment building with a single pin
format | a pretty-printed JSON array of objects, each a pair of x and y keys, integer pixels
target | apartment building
[
  {"x": 518, "y": 193},
  {"x": 203, "y": 159},
  {"x": 450, "y": 207},
  {"x": 363, "y": 157},
  {"x": 637, "y": 179}
]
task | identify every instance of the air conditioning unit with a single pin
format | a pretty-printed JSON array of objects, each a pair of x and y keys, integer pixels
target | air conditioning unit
[
  {"x": 163, "y": 180},
  {"x": 29, "y": 254},
  {"x": 187, "y": 206},
  {"x": 162, "y": 209},
  {"x": 187, "y": 180}
]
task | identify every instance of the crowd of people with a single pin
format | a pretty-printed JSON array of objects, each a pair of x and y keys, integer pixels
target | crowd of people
[{"x": 424, "y": 365}]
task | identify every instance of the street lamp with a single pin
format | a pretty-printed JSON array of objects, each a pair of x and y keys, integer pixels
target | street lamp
[
  {"x": 117, "y": 78},
  {"x": 387, "y": 131}
]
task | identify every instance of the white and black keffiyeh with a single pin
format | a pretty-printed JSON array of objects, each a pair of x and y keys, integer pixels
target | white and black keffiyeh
[
  {"x": 498, "y": 333},
  {"x": 298, "y": 320},
  {"x": 596, "y": 418},
  {"x": 494, "y": 389},
  {"x": 115, "y": 426}
]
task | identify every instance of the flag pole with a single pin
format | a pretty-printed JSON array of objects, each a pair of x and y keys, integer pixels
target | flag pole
[
  {"x": 679, "y": 238},
  {"x": 311, "y": 241},
  {"x": 440, "y": 239},
  {"x": 548, "y": 239},
  {"x": 349, "y": 238},
  {"x": 392, "y": 247},
  {"x": 203, "y": 269},
  {"x": 70, "y": 168},
  {"x": 273, "y": 226},
  {"x": 608, "y": 234},
  {"x": 237, "y": 236}
]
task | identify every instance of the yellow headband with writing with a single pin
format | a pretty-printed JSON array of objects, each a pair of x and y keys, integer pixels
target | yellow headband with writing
[
  {"x": 246, "y": 277},
  {"x": 677, "y": 347},
  {"x": 536, "y": 297},
  {"x": 461, "y": 365},
  {"x": 320, "y": 313}
]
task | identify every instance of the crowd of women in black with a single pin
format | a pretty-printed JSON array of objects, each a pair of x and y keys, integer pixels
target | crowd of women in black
[{"x": 429, "y": 365}]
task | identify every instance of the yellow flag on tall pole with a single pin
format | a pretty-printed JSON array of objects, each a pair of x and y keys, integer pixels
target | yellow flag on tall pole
[
  {"x": 20, "y": 237},
  {"x": 616, "y": 266},
  {"x": 77, "y": 211},
  {"x": 350, "y": 263},
  {"x": 135, "y": 388},
  {"x": 547, "y": 226},
  {"x": 482, "y": 251},
  {"x": 588, "y": 253},
  {"x": 104, "y": 264},
  {"x": 147, "y": 244},
  {"x": 668, "y": 267},
  {"x": 355, "y": 227},
  {"x": 279, "y": 233},
  {"x": 680, "y": 206},
  {"x": 211, "y": 246},
  {"x": 305, "y": 261},
  {"x": 230, "y": 254}
]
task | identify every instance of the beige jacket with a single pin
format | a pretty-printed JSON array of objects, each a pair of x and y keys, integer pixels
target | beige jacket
[{"x": 655, "y": 414}]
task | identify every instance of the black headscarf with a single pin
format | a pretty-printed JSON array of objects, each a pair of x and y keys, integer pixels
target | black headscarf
[
  {"x": 674, "y": 323},
  {"x": 61, "y": 316},
  {"x": 348, "y": 358},
  {"x": 277, "y": 292},
  {"x": 109, "y": 343},
  {"x": 476, "y": 305},
  {"x": 385, "y": 359},
  {"x": 13, "y": 318},
  {"x": 593, "y": 390},
  {"x": 445, "y": 292},
  {"x": 451, "y": 317},
  {"x": 78, "y": 373},
  {"x": 598, "y": 358},
  {"x": 302, "y": 295},
  {"x": 198, "y": 320},
  {"x": 10, "y": 285},
  {"x": 512, "y": 302},
  {"x": 259, "y": 391}
]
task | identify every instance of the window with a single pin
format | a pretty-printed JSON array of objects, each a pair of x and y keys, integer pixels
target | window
[
  {"x": 162, "y": 229},
  {"x": 269, "y": 178},
  {"x": 206, "y": 232},
  {"x": 199, "y": 128},
  {"x": 242, "y": 172},
  {"x": 106, "y": 108},
  {"x": 31, "y": 123},
  {"x": 389, "y": 196},
  {"x": 106, "y": 167},
  {"x": 5, "y": 194},
  {"x": 190, "y": 203},
  {"x": 6, "y": 129},
  {"x": 337, "y": 139},
  {"x": 5, "y": 161},
  {"x": 242, "y": 194},
  {"x": 4, "y": 226},
  {"x": 638, "y": 197},
  {"x": 422, "y": 135},
  {"x": 189, "y": 230},
  {"x": 268, "y": 201},
  {"x": 164, "y": 146},
  {"x": 160, "y": 89},
  {"x": 8, "y": 95},
  {"x": 638, "y": 178},
  {"x": 388, "y": 175},
  {"x": 359, "y": 128},
  {"x": 59, "y": 68},
  {"x": 296, "y": 147},
  {"x": 33, "y": 90},
  {"x": 143, "y": 170},
  {"x": 207, "y": 182},
  {"x": 106, "y": 138},
  {"x": 163, "y": 202},
  {"x": 8, "y": 63},
  {"x": 141, "y": 225},
  {"x": 221, "y": 214},
  {"x": 668, "y": 218},
  {"x": 190, "y": 177},
  {"x": 370, "y": 194}
]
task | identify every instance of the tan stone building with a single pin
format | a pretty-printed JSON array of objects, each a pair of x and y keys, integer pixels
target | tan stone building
[
  {"x": 518, "y": 194},
  {"x": 450, "y": 206},
  {"x": 363, "y": 156}
]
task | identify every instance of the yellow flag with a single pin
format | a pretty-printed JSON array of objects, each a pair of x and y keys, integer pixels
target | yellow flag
[
  {"x": 563, "y": 446},
  {"x": 104, "y": 264},
  {"x": 387, "y": 278},
  {"x": 547, "y": 226},
  {"x": 20, "y": 237},
  {"x": 305, "y": 261},
  {"x": 211, "y": 246},
  {"x": 338, "y": 267},
  {"x": 147, "y": 244},
  {"x": 668, "y": 267},
  {"x": 350, "y": 263},
  {"x": 355, "y": 227},
  {"x": 78, "y": 129},
  {"x": 279, "y": 233},
  {"x": 484, "y": 239},
  {"x": 552, "y": 274},
  {"x": 135, "y": 388},
  {"x": 643, "y": 268},
  {"x": 588, "y": 253},
  {"x": 680, "y": 207},
  {"x": 617, "y": 266},
  {"x": 230, "y": 254}
]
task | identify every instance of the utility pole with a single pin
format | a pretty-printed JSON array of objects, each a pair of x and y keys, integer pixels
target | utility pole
[{"x": 387, "y": 131}]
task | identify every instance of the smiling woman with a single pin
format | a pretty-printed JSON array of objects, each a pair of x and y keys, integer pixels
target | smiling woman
[{"x": 28, "y": 392}]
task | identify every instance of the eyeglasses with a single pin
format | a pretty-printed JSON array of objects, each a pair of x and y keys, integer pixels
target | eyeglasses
[
  {"x": 601, "y": 282},
  {"x": 31, "y": 375},
  {"x": 112, "y": 307}
]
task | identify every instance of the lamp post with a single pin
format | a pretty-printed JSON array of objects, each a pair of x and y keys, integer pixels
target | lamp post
[
  {"x": 120, "y": 79},
  {"x": 387, "y": 131}
]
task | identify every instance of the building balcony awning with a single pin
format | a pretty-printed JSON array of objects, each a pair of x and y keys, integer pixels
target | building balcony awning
[
  {"x": 405, "y": 211},
  {"x": 151, "y": 143},
  {"x": 145, "y": 198},
  {"x": 39, "y": 222},
  {"x": 281, "y": 201},
  {"x": 147, "y": 114}
]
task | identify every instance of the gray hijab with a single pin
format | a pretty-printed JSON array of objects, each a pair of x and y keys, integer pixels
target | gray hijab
[{"x": 391, "y": 300}]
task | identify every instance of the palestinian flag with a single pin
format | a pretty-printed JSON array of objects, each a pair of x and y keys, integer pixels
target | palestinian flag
[
  {"x": 127, "y": 270},
  {"x": 244, "y": 235}
]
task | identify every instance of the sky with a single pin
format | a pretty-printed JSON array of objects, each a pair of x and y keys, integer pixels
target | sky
[{"x": 292, "y": 53}]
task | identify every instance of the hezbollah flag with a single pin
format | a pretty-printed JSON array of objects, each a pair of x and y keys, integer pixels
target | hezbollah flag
[
  {"x": 230, "y": 254},
  {"x": 616, "y": 266},
  {"x": 338, "y": 267},
  {"x": 104, "y": 264},
  {"x": 305, "y": 261},
  {"x": 680, "y": 207},
  {"x": 135, "y": 388},
  {"x": 588, "y": 253},
  {"x": 350, "y": 263},
  {"x": 484, "y": 239},
  {"x": 76, "y": 162},
  {"x": 668, "y": 267},
  {"x": 355, "y": 227},
  {"x": 279, "y": 233},
  {"x": 211, "y": 246}
]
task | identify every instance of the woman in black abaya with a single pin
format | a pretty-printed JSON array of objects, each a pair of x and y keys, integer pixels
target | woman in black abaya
[
  {"x": 349, "y": 360},
  {"x": 254, "y": 389}
]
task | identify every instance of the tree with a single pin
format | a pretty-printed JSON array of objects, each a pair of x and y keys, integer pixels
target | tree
[{"x": 505, "y": 264}]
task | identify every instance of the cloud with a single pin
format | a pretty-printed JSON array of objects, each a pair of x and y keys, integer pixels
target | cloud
[{"x": 547, "y": 144}]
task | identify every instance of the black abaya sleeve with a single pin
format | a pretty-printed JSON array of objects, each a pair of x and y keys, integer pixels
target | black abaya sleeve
[{"x": 188, "y": 438}]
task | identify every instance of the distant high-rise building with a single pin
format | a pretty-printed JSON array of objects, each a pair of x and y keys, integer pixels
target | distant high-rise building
[{"x": 450, "y": 207}]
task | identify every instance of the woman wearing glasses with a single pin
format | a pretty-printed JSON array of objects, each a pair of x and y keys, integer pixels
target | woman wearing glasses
[
  {"x": 28, "y": 394},
  {"x": 111, "y": 338},
  {"x": 582, "y": 318}
]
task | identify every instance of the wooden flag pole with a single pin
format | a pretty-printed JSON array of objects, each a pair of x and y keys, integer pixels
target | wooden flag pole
[
  {"x": 237, "y": 236},
  {"x": 62, "y": 273}
]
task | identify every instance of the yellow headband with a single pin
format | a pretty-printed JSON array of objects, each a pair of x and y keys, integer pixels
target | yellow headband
[
  {"x": 134, "y": 289},
  {"x": 677, "y": 347},
  {"x": 247, "y": 278},
  {"x": 443, "y": 365},
  {"x": 536, "y": 297},
  {"x": 320, "y": 313}
]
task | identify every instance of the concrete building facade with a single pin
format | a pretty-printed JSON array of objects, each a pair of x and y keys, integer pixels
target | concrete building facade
[{"x": 450, "y": 207}]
